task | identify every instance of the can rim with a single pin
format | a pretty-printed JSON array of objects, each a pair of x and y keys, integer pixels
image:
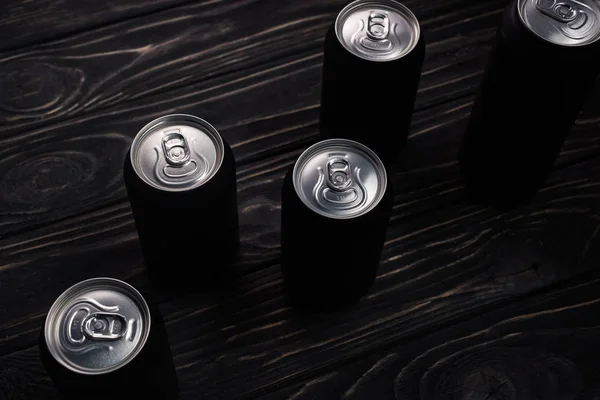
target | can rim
[
  {"x": 520, "y": 12},
  {"x": 306, "y": 155},
  {"x": 399, "y": 7},
  {"x": 67, "y": 295},
  {"x": 182, "y": 119}
]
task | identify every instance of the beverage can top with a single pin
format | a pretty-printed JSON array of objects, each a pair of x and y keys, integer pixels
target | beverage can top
[
  {"x": 568, "y": 23},
  {"x": 339, "y": 178},
  {"x": 377, "y": 30},
  {"x": 97, "y": 326},
  {"x": 177, "y": 152}
]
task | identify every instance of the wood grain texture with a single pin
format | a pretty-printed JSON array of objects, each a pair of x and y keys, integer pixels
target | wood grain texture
[
  {"x": 542, "y": 348},
  {"x": 23, "y": 22},
  {"x": 99, "y": 143},
  {"x": 276, "y": 109},
  {"x": 177, "y": 48},
  {"x": 446, "y": 259},
  {"x": 439, "y": 322}
]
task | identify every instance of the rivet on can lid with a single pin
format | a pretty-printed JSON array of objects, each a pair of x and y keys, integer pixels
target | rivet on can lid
[
  {"x": 339, "y": 178},
  {"x": 380, "y": 30},
  {"x": 177, "y": 152},
  {"x": 97, "y": 326},
  {"x": 563, "y": 22}
]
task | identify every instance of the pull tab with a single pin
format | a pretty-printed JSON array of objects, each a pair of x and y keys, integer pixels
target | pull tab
[
  {"x": 339, "y": 186},
  {"x": 562, "y": 11},
  {"x": 175, "y": 148},
  {"x": 378, "y": 26},
  {"x": 104, "y": 326},
  {"x": 339, "y": 174}
]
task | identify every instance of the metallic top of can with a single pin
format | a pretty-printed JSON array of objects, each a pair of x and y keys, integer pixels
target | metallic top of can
[
  {"x": 379, "y": 30},
  {"x": 177, "y": 152},
  {"x": 567, "y": 23},
  {"x": 97, "y": 326},
  {"x": 339, "y": 178}
]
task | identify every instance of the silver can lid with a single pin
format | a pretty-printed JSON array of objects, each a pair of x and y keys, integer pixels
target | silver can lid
[
  {"x": 97, "y": 326},
  {"x": 339, "y": 178},
  {"x": 567, "y": 23},
  {"x": 177, "y": 152},
  {"x": 381, "y": 30}
]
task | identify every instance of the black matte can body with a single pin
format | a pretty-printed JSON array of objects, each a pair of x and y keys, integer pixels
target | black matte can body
[
  {"x": 188, "y": 238},
  {"x": 150, "y": 375},
  {"x": 329, "y": 263},
  {"x": 530, "y": 96},
  {"x": 368, "y": 101}
]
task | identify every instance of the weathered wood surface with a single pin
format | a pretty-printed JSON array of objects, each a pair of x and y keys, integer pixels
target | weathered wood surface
[
  {"x": 544, "y": 347},
  {"x": 287, "y": 91},
  {"x": 24, "y": 22},
  {"x": 139, "y": 58},
  {"x": 462, "y": 260},
  {"x": 64, "y": 216}
]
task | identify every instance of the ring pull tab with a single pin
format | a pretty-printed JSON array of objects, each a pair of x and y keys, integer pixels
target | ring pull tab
[
  {"x": 339, "y": 185},
  {"x": 378, "y": 26},
  {"x": 178, "y": 156},
  {"x": 175, "y": 148},
  {"x": 104, "y": 326},
  {"x": 378, "y": 29},
  {"x": 562, "y": 11},
  {"x": 339, "y": 174}
]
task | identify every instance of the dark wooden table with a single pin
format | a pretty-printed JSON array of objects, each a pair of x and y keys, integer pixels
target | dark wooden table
[{"x": 469, "y": 303}]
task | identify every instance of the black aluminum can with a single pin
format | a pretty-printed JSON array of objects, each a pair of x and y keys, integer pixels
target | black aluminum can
[
  {"x": 541, "y": 70},
  {"x": 372, "y": 63},
  {"x": 103, "y": 339},
  {"x": 181, "y": 180},
  {"x": 336, "y": 205}
]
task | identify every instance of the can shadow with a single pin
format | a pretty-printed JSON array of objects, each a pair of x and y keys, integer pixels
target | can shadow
[
  {"x": 226, "y": 280},
  {"x": 418, "y": 169},
  {"x": 306, "y": 312}
]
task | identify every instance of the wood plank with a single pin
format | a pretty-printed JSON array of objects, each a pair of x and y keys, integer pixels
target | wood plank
[
  {"x": 105, "y": 242},
  {"x": 24, "y": 22},
  {"x": 177, "y": 48},
  {"x": 442, "y": 264},
  {"x": 58, "y": 171},
  {"x": 55, "y": 172},
  {"x": 539, "y": 348},
  {"x": 76, "y": 163},
  {"x": 87, "y": 179},
  {"x": 446, "y": 259},
  {"x": 542, "y": 347}
]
